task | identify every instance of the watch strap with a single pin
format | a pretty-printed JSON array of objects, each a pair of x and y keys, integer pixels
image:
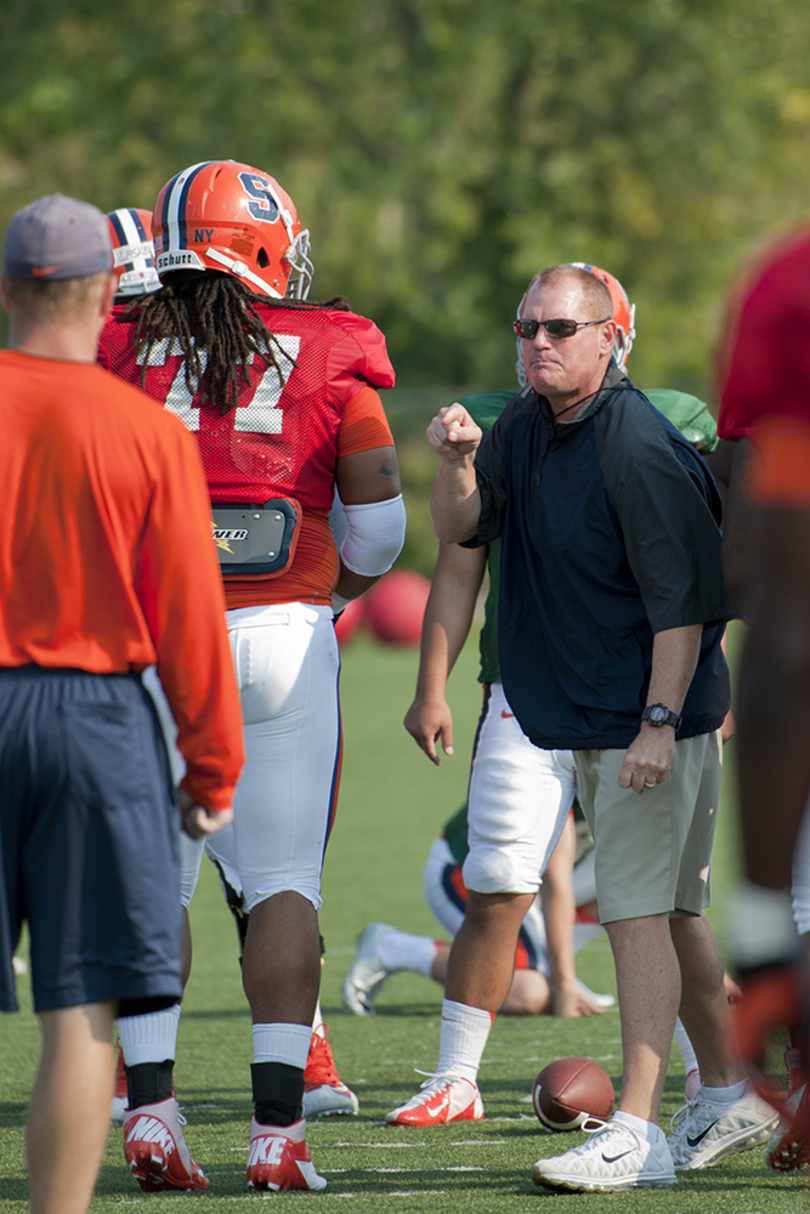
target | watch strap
[{"x": 665, "y": 717}]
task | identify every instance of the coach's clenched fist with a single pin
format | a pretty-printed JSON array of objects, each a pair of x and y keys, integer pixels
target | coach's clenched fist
[{"x": 453, "y": 434}]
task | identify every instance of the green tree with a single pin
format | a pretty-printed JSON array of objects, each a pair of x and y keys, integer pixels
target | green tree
[{"x": 442, "y": 150}]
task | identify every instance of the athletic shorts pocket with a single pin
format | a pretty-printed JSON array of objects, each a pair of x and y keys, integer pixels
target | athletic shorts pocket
[{"x": 104, "y": 752}]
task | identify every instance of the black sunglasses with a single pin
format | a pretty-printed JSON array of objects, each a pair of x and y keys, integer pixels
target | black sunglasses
[{"x": 554, "y": 328}]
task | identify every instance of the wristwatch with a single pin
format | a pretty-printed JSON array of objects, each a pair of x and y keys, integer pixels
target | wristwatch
[{"x": 659, "y": 714}]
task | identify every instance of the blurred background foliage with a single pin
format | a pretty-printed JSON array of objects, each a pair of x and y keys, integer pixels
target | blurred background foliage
[{"x": 441, "y": 151}]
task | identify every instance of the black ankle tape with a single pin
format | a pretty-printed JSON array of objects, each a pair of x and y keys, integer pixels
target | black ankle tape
[
  {"x": 278, "y": 1092},
  {"x": 149, "y": 1082}
]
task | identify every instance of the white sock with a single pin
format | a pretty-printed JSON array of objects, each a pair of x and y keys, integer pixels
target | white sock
[
  {"x": 464, "y": 1034},
  {"x": 648, "y": 1130},
  {"x": 402, "y": 951},
  {"x": 729, "y": 1095},
  {"x": 282, "y": 1042},
  {"x": 685, "y": 1046},
  {"x": 149, "y": 1038}
]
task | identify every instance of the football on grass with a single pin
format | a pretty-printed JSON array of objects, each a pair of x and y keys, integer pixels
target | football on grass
[{"x": 571, "y": 1091}]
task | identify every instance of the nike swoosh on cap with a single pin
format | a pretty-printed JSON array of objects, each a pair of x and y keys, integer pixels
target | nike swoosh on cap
[{"x": 35, "y": 270}]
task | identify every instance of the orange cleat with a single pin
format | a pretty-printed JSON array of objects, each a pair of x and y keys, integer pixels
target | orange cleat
[
  {"x": 156, "y": 1151},
  {"x": 325, "y": 1095},
  {"x": 279, "y": 1158},
  {"x": 440, "y": 1100}
]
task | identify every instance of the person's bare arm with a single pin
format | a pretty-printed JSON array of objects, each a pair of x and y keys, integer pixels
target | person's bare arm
[
  {"x": 720, "y": 461},
  {"x": 773, "y": 700},
  {"x": 559, "y": 912},
  {"x": 448, "y": 617},
  {"x": 739, "y": 523},
  {"x": 649, "y": 757},
  {"x": 366, "y": 476},
  {"x": 455, "y": 502}
]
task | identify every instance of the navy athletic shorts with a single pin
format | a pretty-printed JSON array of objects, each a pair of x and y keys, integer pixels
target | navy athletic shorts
[{"x": 89, "y": 835}]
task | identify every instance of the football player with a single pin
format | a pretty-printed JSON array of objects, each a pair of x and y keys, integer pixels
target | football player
[
  {"x": 282, "y": 395},
  {"x": 384, "y": 950},
  {"x": 764, "y": 375},
  {"x": 133, "y": 253}
]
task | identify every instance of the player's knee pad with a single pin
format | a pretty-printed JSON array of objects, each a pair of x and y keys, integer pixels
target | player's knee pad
[{"x": 491, "y": 871}]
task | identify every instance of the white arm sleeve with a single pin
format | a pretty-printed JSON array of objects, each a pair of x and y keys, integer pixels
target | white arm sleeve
[
  {"x": 376, "y": 533},
  {"x": 337, "y": 521}
]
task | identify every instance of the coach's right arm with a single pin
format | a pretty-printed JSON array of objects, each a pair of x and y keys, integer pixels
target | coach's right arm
[{"x": 455, "y": 502}]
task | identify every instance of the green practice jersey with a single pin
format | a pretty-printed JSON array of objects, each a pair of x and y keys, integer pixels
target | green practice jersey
[
  {"x": 485, "y": 408},
  {"x": 687, "y": 414}
]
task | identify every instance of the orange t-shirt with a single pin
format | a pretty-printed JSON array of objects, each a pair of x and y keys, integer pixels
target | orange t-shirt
[{"x": 106, "y": 560}]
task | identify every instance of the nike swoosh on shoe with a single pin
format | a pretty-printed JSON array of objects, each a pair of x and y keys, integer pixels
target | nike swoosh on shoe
[{"x": 693, "y": 1142}]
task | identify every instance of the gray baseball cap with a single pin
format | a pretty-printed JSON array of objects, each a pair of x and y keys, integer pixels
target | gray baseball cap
[{"x": 57, "y": 237}]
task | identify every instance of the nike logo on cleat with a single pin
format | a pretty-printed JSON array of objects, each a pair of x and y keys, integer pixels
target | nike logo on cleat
[
  {"x": 506, "y": 715},
  {"x": 613, "y": 1158},
  {"x": 693, "y": 1142},
  {"x": 435, "y": 1112}
]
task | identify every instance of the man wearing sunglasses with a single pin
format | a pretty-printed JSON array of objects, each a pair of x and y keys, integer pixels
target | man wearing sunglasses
[{"x": 610, "y": 626}]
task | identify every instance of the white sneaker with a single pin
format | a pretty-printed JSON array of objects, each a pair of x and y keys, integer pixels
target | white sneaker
[
  {"x": 615, "y": 1157},
  {"x": 703, "y": 1133},
  {"x": 367, "y": 975},
  {"x": 439, "y": 1100}
]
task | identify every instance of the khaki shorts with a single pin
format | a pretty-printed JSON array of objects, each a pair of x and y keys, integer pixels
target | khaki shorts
[{"x": 654, "y": 850}]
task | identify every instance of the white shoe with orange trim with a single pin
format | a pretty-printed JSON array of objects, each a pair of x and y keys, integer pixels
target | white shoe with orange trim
[
  {"x": 789, "y": 1145},
  {"x": 325, "y": 1094},
  {"x": 279, "y": 1158},
  {"x": 156, "y": 1151},
  {"x": 441, "y": 1099}
]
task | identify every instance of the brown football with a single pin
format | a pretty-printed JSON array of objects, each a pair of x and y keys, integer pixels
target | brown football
[{"x": 571, "y": 1091}]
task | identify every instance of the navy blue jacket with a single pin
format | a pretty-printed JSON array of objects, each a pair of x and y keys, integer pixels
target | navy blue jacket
[{"x": 611, "y": 533}]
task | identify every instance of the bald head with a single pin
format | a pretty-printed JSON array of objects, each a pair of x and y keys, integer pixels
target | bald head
[{"x": 595, "y": 296}]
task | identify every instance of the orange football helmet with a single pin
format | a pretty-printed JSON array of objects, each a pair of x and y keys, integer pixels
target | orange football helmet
[
  {"x": 624, "y": 313},
  {"x": 226, "y": 216},
  {"x": 133, "y": 251}
]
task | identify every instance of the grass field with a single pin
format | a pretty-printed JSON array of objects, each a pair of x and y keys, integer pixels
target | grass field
[{"x": 393, "y": 803}]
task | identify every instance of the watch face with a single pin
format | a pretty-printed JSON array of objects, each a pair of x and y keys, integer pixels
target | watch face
[{"x": 657, "y": 714}]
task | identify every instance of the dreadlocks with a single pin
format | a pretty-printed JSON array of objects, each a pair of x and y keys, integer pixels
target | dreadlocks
[{"x": 213, "y": 315}]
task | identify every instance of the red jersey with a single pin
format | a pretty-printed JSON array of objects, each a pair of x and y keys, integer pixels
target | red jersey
[
  {"x": 765, "y": 360},
  {"x": 105, "y": 544},
  {"x": 286, "y": 434}
]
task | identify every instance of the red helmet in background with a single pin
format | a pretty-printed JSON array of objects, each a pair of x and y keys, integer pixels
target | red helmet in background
[
  {"x": 624, "y": 313},
  {"x": 225, "y": 216},
  {"x": 133, "y": 251}
]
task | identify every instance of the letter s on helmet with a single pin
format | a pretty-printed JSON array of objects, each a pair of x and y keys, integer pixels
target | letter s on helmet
[
  {"x": 624, "y": 313},
  {"x": 133, "y": 251},
  {"x": 225, "y": 216}
]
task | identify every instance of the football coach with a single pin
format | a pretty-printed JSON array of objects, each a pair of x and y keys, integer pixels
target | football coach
[
  {"x": 611, "y": 618},
  {"x": 106, "y": 567}
]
